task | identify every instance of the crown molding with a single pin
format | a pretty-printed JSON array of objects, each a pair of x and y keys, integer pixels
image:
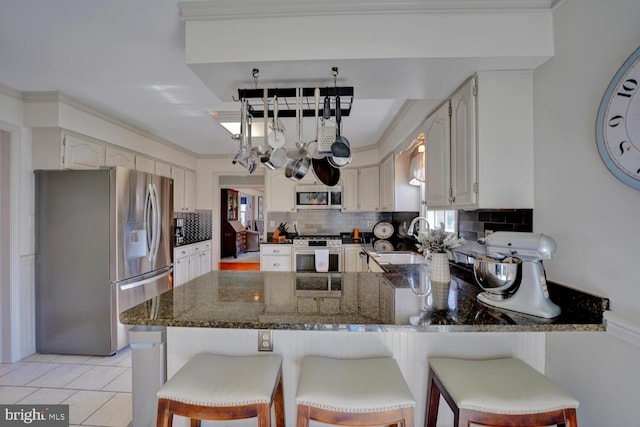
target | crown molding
[
  {"x": 56, "y": 96},
  {"x": 6, "y": 90},
  {"x": 238, "y": 9}
]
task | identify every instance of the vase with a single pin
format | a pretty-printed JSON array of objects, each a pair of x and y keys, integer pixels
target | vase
[
  {"x": 440, "y": 267},
  {"x": 440, "y": 294}
]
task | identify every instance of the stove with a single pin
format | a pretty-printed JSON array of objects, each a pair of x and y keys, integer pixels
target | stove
[
  {"x": 305, "y": 249},
  {"x": 320, "y": 240}
]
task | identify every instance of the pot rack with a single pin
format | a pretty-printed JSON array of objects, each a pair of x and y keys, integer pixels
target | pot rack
[{"x": 287, "y": 100}]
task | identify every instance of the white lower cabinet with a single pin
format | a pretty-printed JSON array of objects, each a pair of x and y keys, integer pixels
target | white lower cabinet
[
  {"x": 191, "y": 261},
  {"x": 276, "y": 257},
  {"x": 353, "y": 262}
]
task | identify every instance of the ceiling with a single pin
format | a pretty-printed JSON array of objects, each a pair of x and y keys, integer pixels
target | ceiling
[{"x": 126, "y": 58}]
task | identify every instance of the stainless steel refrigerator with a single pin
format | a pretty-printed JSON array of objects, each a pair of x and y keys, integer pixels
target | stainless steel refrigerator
[{"x": 103, "y": 244}]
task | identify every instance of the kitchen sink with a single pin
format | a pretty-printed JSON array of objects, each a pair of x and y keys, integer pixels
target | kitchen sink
[{"x": 402, "y": 257}]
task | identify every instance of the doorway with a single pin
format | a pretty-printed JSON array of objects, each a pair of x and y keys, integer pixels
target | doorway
[{"x": 241, "y": 221}]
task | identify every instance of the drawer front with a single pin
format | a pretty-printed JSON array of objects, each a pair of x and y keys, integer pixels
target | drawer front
[
  {"x": 275, "y": 263},
  {"x": 181, "y": 252},
  {"x": 276, "y": 249}
]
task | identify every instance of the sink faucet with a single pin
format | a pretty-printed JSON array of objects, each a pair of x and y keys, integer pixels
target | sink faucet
[{"x": 411, "y": 230}]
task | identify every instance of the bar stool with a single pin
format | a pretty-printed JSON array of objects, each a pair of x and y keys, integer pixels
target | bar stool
[
  {"x": 353, "y": 392},
  {"x": 214, "y": 387},
  {"x": 497, "y": 392}
]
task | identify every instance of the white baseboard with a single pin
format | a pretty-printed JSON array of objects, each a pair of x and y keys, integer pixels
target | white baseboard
[{"x": 623, "y": 328}]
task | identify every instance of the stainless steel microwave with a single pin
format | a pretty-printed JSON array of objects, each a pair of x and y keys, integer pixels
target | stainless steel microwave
[{"x": 318, "y": 197}]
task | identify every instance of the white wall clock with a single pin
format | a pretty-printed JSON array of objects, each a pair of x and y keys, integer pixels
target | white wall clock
[{"x": 618, "y": 123}]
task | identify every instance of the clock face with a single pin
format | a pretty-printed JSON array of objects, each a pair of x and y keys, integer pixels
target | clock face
[{"x": 618, "y": 123}]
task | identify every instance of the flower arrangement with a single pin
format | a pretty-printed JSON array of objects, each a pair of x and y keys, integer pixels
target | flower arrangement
[{"x": 437, "y": 240}]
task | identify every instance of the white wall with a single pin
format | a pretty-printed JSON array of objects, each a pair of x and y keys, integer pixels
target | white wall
[{"x": 591, "y": 214}]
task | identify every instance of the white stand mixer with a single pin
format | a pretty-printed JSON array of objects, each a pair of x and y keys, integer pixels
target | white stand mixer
[{"x": 532, "y": 295}]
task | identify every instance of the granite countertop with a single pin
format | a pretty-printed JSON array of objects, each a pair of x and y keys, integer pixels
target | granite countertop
[{"x": 345, "y": 301}]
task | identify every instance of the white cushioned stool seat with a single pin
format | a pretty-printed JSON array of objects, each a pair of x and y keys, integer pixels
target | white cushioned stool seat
[
  {"x": 329, "y": 386},
  {"x": 211, "y": 386},
  {"x": 505, "y": 386}
]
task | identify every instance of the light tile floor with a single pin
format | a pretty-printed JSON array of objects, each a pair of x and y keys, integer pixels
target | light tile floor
[{"x": 97, "y": 389}]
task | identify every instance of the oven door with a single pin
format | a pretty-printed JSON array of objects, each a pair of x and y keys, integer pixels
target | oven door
[{"x": 305, "y": 259}]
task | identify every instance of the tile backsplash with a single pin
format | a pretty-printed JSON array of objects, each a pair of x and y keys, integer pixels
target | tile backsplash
[
  {"x": 472, "y": 225},
  {"x": 197, "y": 225},
  {"x": 334, "y": 221}
]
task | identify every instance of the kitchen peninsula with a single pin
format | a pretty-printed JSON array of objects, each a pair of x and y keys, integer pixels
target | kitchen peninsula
[{"x": 350, "y": 315}]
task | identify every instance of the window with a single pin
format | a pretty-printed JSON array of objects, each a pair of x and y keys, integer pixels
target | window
[{"x": 449, "y": 218}]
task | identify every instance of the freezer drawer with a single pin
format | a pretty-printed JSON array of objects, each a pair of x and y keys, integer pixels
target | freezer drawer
[{"x": 132, "y": 293}]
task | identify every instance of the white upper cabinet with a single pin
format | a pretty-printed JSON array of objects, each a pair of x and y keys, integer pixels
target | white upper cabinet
[
  {"x": 480, "y": 144},
  {"x": 184, "y": 189},
  {"x": 387, "y": 184},
  {"x": 369, "y": 189},
  {"x": 163, "y": 169},
  {"x": 279, "y": 192},
  {"x": 189, "y": 190},
  {"x": 463, "y": 146},
  {"x": 360, "y": 189},
  {"x": 145, "y": 164},
  {"x": 117, "y": 157},
  {"x": 178, "y": 188},
  {"x": 349, "y": 182},
  {"x": 81, "y": 153},
  {"x": 437, "y": 157}
]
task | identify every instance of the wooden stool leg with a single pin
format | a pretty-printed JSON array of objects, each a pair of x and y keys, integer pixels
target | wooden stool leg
[
  {"x": 164, "y": 417},
  {"x": 433, "y": 403},
  {"x": 278, "y": 403},
  {"x": 303, "y": 416},
  {"x": 264, "y": 415},
  {"x": 408, "y": 419},
  {"x": 572, "y": 417}
]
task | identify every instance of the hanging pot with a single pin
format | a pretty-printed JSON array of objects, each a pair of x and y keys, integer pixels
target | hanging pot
[
  {"x": 325, "y": 172},
  {"x": 339, "y": 162},
  {"x": 276, "y": 158},
  {"x": 297, "y": 168},
  {"x": 341, "y": 147}
]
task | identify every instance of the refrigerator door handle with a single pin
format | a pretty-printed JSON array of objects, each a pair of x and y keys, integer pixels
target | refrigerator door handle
[
  {"x": 152, "y": 222},
  {"x": 157, "y": 223},
  {"x": 145, "y": 281}
]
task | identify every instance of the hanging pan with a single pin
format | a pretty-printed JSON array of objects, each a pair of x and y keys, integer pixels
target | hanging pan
[
  {"x": 325, "y": 171},
  {"x": 340, "y": 147},
  {"x": 297, "y": 168}
]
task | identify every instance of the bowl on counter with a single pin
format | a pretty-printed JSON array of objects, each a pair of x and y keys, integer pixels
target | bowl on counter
[{"x": 499, "y": 278}]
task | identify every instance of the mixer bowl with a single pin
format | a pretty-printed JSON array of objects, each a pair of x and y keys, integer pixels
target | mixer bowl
[{"x": 499, "y": 278}]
